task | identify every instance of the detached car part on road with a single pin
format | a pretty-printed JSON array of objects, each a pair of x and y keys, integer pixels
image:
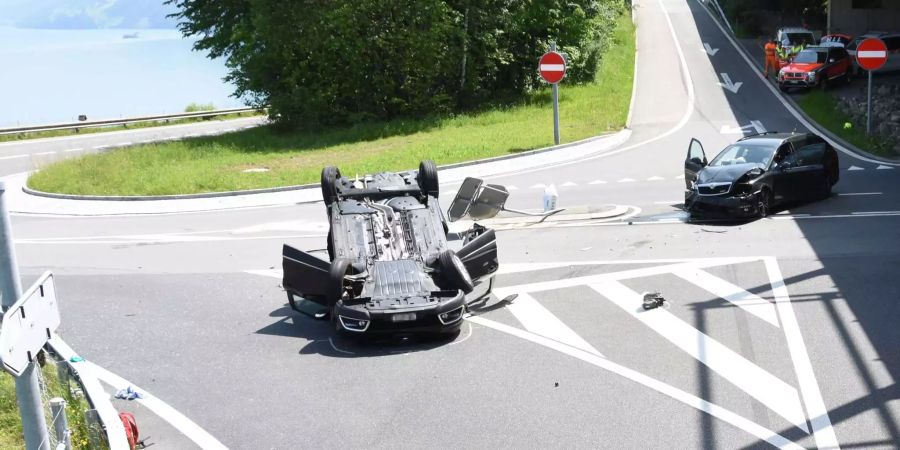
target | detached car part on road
[
  {"x": 390, "y": 269},
  {"x": 757, "y": 173}
]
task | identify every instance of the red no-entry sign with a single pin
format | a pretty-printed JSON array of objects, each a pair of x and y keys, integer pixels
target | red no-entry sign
[
  {"x": 871, "y": 54},
  {"x": 552, "y": 67}
]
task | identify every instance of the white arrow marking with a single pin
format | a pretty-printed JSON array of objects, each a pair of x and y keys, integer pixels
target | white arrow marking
[
  {"x": 734, "y": 130},
  {"x": 733, "y": 87},
  {"x": 758, "y": 126},
  {"x": 655, "y": 178},
  {"x": 539, "y": 186},
  {"x": 761, "y": 385},
  {"x": 538, "y": 320},
  {"x": 597, "y": 182},
  {"x": 512, "y": 188},
  {"x": 710, "y": 50},
  {"x": 855, "y": 168},
  {"x": 568, "y": 184},
  {"x": 884, "y": 167},
  {"x": 751, "y": 303},
  {"x": 626, "y": 180}
]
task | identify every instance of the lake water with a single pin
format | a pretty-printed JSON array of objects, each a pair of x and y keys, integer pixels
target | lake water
[{"x": 49, "y": 76}]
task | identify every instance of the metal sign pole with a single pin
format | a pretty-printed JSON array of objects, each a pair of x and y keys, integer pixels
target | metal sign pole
[
  {"x": 555, "y": 104},
  {"x": 869, "y": 107},
  {"x": 28, "y": 390}
]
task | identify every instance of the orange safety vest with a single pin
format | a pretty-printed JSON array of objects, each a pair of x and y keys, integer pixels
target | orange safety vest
[{"x": 770, "y": 50}]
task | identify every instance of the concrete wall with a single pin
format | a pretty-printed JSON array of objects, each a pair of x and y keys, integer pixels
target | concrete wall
[{"x": 844, "y": 19}]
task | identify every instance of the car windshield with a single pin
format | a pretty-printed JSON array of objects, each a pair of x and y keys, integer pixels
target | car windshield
[
  {"x": 745, "y": 153},
  {"x": 810, "y": 56},
  {"x": 800, "y": 38}
]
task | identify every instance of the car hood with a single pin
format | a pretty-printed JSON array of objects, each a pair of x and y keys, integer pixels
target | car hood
[
  {"x": 724, "y": 174},
  {"x": 802, "y": 67}
]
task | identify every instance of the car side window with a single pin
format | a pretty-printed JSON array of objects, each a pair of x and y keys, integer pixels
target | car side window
[
  {"x": 784, "y": 154},
  {"x": 810, "y": 154}
]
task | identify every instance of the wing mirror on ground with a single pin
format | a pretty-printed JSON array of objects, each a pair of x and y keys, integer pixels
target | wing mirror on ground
[{"x": 482, "y": 201}]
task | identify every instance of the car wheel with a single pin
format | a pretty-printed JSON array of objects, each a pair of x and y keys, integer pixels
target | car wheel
[
  {"x": 454, "y": 271},
  {"x": 335, "y": 287},
  {"x": 764, "y": 205},
  {"x": 330, "y": 175},
  {"x": 826, "y": 187},
  {"x": 428, "y": 178},
  {"x": 823, "y": 85},
  {"x": 783, "y": 88}
]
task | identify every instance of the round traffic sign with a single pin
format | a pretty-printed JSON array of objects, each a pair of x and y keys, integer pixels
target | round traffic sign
[
  {"x": 552, "y": 67},
  {"x": 871, "y": 54}
]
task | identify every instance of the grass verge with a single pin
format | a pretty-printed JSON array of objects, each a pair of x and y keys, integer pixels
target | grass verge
[
  {"x": 11, "y": 423},
  {"x": 822, "y": 107},
  {"x": 218, "y": 163},
  {"x": 130, "y": 126}
]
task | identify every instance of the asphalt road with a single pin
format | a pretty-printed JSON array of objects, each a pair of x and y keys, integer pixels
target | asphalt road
[{"x": 778, "y": 332}]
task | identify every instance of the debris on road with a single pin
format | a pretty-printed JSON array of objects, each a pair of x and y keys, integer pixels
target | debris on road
[{"x": 653, "y": 300}]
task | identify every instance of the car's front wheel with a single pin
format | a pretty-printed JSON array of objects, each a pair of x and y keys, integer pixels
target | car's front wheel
[{"x": 764, "y": 204}]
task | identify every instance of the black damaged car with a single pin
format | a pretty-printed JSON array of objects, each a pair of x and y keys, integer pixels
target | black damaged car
[
  {"x": 390, "y": 266},
  {"x": 758, "y": 173}
]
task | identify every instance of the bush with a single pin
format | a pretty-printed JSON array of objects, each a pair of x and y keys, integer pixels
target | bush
[{"x": 197, "y": 107}]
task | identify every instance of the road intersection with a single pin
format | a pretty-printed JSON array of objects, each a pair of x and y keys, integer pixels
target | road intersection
[{"x": 778, "y": 332}]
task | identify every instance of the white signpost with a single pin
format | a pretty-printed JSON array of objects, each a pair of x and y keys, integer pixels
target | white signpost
[{"x": 28, "y": 325}]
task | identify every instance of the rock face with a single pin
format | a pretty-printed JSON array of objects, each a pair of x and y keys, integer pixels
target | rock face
[{"x": 885, "y": 112}]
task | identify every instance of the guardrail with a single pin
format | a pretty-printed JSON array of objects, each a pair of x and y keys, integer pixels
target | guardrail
[{"x": 125, "y": 121}]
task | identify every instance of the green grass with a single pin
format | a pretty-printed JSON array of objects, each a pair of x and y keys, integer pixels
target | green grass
[
  {"x": 822, "y": 107},
  {"x": 131, "y": 126},
  {"x": 11, "y": 424},
  {"x": 211, "y": 164}
]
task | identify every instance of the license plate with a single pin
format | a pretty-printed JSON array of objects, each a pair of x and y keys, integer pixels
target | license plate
[{"x": 403, "y": 317}]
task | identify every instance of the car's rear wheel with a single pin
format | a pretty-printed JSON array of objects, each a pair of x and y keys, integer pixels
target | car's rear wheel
[
  {"x": 428, "y": 178},
  {"x": 826, "y": 187},
  {"x": 454, "y": 271},
  {"x": 330, "y": 175},
  {"x": 764, "y": 204}
]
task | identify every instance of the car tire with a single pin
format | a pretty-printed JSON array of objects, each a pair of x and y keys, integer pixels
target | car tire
[
  {"x": 454, "y": 271},
  {"x": 826, "y": 187},
  {"x": 823, "y": 85},
  {"x": 335, "y": 288},
  {"x": 764, "y": 205},
  {"x": 329, "y": 246},
  {"x": 428, "y": 178},
  {"x": 783, "y": 88},
  {"x": 330, "y": 175}
]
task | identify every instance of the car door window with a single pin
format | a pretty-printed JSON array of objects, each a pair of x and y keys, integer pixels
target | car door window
[
  {"x": 784, "y": 154},
  {"x": 810, "y": 154},
  {"x": 695, "y": 152}
]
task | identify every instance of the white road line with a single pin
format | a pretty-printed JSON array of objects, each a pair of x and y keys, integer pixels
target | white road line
[
  {"x": 123, "y": 144},
  {"x": 44, "y": 153},
  {"x": 655, "y": 178},
  {"x": 228, "y": 130},
  {"x": 73, "y": 150},
  {"x": 855, "y": 168},
  {"x": 737, "y": 296},
  {"x": 511, "y": 188},
  {"x": 539, "y": 320},
  {"x": 626, "y": 180},
  {"x": 884, "y": 167},
  {"x": 538, "y": 186},
  {"x": 845, "y": 194},
  {"x": 771, "y": 391},
  {"x": 100, "y": 147},
  {"x": 526, "y": 267},
  {"x": 568, "y": 184},
  {"x": 671, "y": 202},
  {"x": 688, "y": 399},
  {"x": 809, "y": 387},
  {"x": 13, "y": 157},
  {"x": 597, "y": 182},
  {"x": 274, "y": 273},
  {"x": 186, "y": 426},
  {"x": 839, "y": 216}
]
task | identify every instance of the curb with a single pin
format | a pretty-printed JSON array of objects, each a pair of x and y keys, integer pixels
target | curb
[
  {"x": 37, "y": 193},
  {"x": 802, "y": 114}
]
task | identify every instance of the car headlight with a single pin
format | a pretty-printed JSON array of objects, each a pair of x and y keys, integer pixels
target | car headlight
[{"x": 811, "y": 76}]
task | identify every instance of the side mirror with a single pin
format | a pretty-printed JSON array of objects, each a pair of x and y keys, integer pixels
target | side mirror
[{"x": 831, "y": 60}]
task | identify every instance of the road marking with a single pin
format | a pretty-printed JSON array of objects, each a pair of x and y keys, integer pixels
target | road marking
[
  {"x": 74, "y": 150},
  {"x": 688, "y": 399},
  {"x": 538, "y": 186},
  {"x": 511, "y": 188},
  {"x": 680, "y": 176},
  {"x": 539, "y": 320},
  {"x": 100, "y": 147},
  {"x": 655, "y": 178},
  {"x": 711, "y": 51},
  {"x": 673, "y": 202},
  {"x": 758, "y": 126},
  {"x": 597, "y": 182},
  {"x": 568, "y": 184},
  {"x": 884, "y": 167},
  {"x": 44, "y": 153},
  {"x": 839, "y": 216},
  {"x": 123, "y": 144},
  {"x": 760, "y": 384},
  {"x": 228, "y": 130},
  {"x": 735, "y": 295},
  {"x": 809, "y": 387},
  {"x": 148, "y": 141},
  {"x": 727, "y": 84},
  {"x": 855, "y": 168},
  {"x": 14, "y": 157},
  {"x": 626, "y": 180},
  {"x": 178, "y": 420},
  {"x": 844, "y": 194}
]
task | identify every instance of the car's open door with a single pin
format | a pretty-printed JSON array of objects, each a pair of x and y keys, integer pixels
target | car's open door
[
  {"x": 694, "y": 163},
  {"x": 479, "y": 254},
  {"x": 304, "y": 276}
]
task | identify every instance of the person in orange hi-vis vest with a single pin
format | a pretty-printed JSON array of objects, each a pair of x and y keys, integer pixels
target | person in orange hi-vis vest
[{"x": 771, "y": 58}]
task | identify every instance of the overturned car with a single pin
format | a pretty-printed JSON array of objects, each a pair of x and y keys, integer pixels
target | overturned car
[{"x": 390, "y": 266}]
